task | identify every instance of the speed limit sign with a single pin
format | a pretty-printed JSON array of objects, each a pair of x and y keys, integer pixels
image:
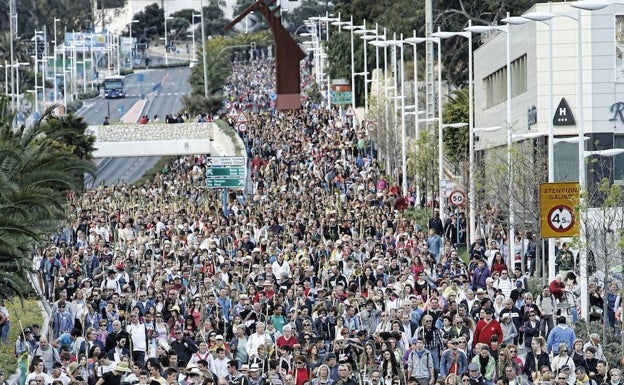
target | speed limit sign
[
  {"x": 457, "y": 198},
  {"x": 242, "y": 127}
]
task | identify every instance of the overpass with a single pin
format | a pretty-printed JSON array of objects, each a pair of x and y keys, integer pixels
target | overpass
[{"x": 160, "y": 139}]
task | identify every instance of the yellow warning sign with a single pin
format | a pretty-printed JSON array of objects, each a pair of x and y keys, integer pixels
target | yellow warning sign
[{"x": 558, "y": 202}]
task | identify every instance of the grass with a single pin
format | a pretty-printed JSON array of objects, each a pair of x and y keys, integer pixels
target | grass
[
  {"x": 232, "y": 134},
  {"x": 150, "y": 175},
  {"x": 28, "y": 312}
]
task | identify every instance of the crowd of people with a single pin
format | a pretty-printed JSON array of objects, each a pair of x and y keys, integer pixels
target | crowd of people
[{"x": 317, "y": 277}]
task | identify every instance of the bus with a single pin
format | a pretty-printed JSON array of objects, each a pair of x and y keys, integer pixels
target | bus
[{"x": 113, "y": 87}]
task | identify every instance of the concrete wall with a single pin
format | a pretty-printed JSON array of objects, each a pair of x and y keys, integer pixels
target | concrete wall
[{"x": 158, "y": 139}]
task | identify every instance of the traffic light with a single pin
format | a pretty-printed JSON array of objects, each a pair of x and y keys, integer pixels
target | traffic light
[{"x": 253, "y": 46}]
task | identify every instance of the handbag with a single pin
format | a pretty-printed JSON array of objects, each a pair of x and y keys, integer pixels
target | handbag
[{"x": 596, "y": 311}]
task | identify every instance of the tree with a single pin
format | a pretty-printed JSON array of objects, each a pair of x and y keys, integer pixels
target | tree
[
  {"x": 456, "y": 140},
  {"x": 295, "y": 19},
  {"x": 36, "y": 177},
  {"x": 600, "y": 212},
  {"x": 529, "y": 169},
  {"x": 219, "y": 51},
  {"x": 422, "y": 163}
]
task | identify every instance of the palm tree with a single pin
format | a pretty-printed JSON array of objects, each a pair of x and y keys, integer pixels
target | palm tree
[{"x": 37, "y": 173}]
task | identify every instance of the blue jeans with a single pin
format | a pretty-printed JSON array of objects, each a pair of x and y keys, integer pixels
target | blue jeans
[{"x": 4, "y": 332}]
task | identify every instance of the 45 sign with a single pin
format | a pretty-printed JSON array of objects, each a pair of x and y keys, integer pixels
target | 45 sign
[{"x": 457, "y": 198}]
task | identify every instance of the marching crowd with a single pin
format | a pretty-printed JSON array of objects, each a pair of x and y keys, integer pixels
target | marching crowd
[{"x": 318, "y": 277}]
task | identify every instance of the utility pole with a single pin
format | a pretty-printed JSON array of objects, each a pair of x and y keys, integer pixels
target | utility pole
[
  {"x": 430, "y": 77},
  {"x": 12, "y": 35}
]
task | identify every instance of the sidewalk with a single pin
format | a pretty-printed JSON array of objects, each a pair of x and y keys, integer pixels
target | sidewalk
[{"x": 134, "y": 113}]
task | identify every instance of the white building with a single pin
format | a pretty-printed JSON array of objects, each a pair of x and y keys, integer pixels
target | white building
[{"x": 602, "y": 39}]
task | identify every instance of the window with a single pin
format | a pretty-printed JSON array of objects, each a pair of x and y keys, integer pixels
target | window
[
  {"x": 618, "y": 161},
  {"x": 496, "y": 83},
  {"x": 619, "y": 48}
]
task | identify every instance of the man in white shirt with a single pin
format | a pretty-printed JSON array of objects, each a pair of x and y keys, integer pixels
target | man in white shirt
[{"x": 138, "y": 338}]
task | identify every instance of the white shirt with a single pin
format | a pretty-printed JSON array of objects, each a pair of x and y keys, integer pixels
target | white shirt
[
  {"x": 138, "y": 336},
  {"x": 256, "y": 340}
]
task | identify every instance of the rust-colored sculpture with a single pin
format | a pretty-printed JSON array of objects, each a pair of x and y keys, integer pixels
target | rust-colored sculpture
[{"x": 287, "y": 55}]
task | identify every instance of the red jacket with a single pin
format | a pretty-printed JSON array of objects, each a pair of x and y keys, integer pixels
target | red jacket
[{"x": 484, "y": 330}]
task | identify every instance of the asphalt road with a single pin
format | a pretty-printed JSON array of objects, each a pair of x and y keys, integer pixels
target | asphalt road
[{"x": 168, "y": 99}]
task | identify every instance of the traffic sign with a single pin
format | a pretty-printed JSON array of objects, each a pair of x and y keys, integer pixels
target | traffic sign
[
  {"x": 242, "y": 127},
  {"x": 557, "y": 209},
  {"x": 224, "y": 182},
  {"x": 226, "y": 161},
  {"x": 371, "y": 125},
  {"x": 225, "y": 171},
  {"x": 241, "y": 118},
  {"x": 457, "y": 198}
]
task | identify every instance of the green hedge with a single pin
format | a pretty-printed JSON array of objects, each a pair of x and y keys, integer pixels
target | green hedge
[{"x": 90, "y": 94}]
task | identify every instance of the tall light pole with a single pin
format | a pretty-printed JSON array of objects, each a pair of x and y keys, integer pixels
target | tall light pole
[
  {"x": 203, "y": 39},
  {"x": 55, "y": 99},
  {"x": 167, "y": 40},
  {"x": 399, "y": 67},
  {"x": 544, "y": 16},
  {"x": 343, "y": 25},
  {"x": 471, "y": 181},
  {"x": 131, "y": 43},
  {"x": 446, "y": 35},
  {"x": 194, "y": 47}
]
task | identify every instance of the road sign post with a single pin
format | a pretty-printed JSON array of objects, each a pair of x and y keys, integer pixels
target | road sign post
[
  {"x": 225, "y": 172},
  {"x": 457, "y": 198},
  {"x": 558, "y": 205}
]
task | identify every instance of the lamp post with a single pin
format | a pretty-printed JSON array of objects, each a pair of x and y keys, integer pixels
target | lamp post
[
  {"x": 131, "y": 43},
  {"x": 55, "y": 99},
  {"x": 358, "y": 29},
  {"x": 345, "y": 25},
  {"x": 438, "y": 40},
  {"x": 471, "y": 182},
  {"x": 327, "y": 19},
  {"x": 167, "y": 40},
  {"x": 545, "y": 16},
  {"x": 363, "y": 31},
  {"x": 399, "y": 45},
  {"x": 194, "y": 47}
]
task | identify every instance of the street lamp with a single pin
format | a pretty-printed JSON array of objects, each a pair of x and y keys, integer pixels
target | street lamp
[
  {"x": 545, "y": 16},
  {"x": 438, "y": 40},
  {"x": 352, "y": 28},
  {"x": 131, "y": 43},
  {"x": 55, "y": 99},
  {"x": 471, "y": 182},
  {"x": 194, "y": 47},
  {"x": 167, "y": 41},
  {"x": 399, "y": 44}
]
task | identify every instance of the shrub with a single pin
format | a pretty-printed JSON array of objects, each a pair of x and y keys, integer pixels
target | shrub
[
  {"x": 74, "y": 106},
  {"x": 611, "y": 343},
  {"x": 90, "y": 94}
]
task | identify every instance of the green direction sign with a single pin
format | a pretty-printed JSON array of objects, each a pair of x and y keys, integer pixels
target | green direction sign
[
  {"x": 341, "y": 97},
  {"x": 225, "y": 182},
  {"x": 225, "y": 171}
]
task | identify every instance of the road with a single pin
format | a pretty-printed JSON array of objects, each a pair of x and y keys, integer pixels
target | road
[{"x": 168, "y": 99}]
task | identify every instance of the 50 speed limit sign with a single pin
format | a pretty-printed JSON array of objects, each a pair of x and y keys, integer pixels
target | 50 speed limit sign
[{"x": 457, "y": 198}]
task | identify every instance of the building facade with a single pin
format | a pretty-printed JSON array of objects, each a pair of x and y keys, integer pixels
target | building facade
[{"x": 533, "y": 67}]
